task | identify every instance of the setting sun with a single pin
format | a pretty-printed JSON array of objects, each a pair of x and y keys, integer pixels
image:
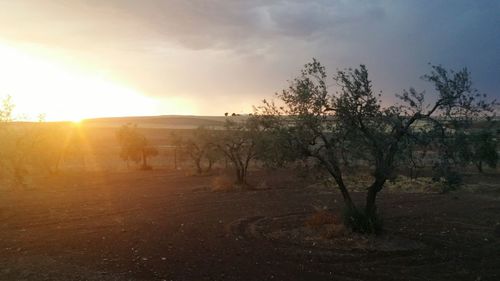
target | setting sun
[{"x": 61, "y": 92}]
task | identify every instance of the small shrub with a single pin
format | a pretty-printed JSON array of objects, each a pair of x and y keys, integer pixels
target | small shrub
[
  {"x": 222, "y": 183},
  {"x": 321, "y": 218},
  {"x": 358, "y": 221}
]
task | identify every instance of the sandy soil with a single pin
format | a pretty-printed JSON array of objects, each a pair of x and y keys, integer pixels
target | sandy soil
[{"x": 161, "y": 225}]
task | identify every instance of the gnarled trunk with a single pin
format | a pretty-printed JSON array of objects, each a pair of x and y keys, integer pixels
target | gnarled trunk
[
  {"x": 371, "y": 196},
  {"x": 241, "y": 176},
  {"x": 210, "y": 164},
  {"x": 479, "y": 166}
]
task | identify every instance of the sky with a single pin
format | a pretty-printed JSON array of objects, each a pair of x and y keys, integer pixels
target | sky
[{"x": 127, "y": 57}]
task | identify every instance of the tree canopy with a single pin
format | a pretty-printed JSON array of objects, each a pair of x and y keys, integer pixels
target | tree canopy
[{"x": 351, "y": 123}]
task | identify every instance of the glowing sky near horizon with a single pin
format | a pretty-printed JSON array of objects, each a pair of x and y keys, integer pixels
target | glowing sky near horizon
[{"x": 77, "y": 59}]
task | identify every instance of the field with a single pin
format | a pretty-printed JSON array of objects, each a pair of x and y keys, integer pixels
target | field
[
  {"x": 165, "y": 225},
  {"x": 249, "y": 140}
]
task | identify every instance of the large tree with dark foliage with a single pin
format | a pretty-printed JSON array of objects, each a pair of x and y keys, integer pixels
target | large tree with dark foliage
[
  {"x": 477, "y": 147},
  {"x": 351, "y": 124}
]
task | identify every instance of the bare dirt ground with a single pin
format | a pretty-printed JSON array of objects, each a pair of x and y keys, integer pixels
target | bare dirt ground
[{"x": 161, "y": 225}]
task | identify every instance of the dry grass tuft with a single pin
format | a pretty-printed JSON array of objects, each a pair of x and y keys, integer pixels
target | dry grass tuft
[
  {"x": 320, "y": 218},
  {"x": 326, "y": 224},
  {"x": 421, "y": 185},
  {"x": 222, "y": 183}
]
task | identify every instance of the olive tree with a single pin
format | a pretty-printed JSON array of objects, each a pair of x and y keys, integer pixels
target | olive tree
[
  {"x": 52, "y": 144},
  {"x": 31, "y": 149},
  {"x": 135, "y": 146},
  {"x": 11, "y": 167},
  {"x": 478, "y": 148},
  {"x": 199, "y": 146},
  {"x": 328, "y": 126},
  {"x": 238, "y": 141},
  {"x": 484, "y": 150}
]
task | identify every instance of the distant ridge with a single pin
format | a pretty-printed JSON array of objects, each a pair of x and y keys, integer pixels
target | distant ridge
[{"x": 162, "y": 121}]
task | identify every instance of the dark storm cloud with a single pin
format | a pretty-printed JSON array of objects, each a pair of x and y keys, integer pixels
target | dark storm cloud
[
  {"x": 194, "y": 24},
  {"x": 257, "y": 45},
  {"x": 243, "y": 24}
]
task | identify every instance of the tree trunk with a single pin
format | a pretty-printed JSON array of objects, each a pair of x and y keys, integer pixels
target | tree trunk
[
  {"x": 239, "y": 176},
  {"x": 335, "y": 172},
  {"x": 345, "y": 194},
  {"x": 244, "y": 176},
  {"x": 371, "y": 208},
  {"x": 480, "y": 166},
  {"x": 371, "y": 196},
  {"x": 198, "y": 166},
  {"x": 210, "y": 163}
]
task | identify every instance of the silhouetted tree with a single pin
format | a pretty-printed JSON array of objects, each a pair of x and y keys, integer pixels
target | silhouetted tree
[
  {"x": 485, "y": 150},
  {"x": 6, "y": 110},
  {"x": 238, "y": 142},
  {"x": 199, "y": 146},
  {"x": 477, "y": 148},
  {"x": 274, "y": 148},
  {"x": 15, "y": 150},
  {"x": 31, "y": 149},
  {"x": 11, "y": 166},
  {"x": 135, "y": 146},
  {"x": 54, "y": 143},
  {"x": 325, "y": 125}
]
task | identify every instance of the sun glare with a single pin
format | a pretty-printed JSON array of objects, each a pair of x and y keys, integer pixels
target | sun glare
[
  {"x": 64, "y": 92},
  {"x": 76, "y": 121}
]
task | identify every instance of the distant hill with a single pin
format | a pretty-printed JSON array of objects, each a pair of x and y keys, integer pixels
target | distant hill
[{"x": 165, "y": 121}]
